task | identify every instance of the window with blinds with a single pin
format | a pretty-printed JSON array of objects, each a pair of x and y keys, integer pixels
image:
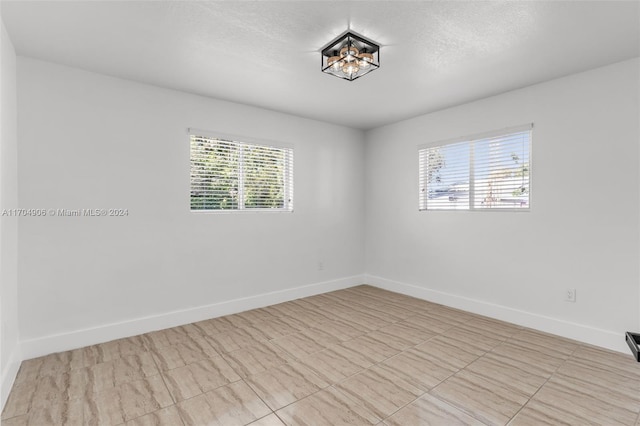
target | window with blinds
[
  {"x": 230, "y": 175},
  {"x": 485, "y": 173}
]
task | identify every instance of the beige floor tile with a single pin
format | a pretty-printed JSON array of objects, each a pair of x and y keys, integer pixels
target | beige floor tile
[
  {"x": 328, "y": 407},
  {"x": 538, "y": 413},
  {"x": 17, "y": 421},
  {"x": 418, "y": 369},
  {"x": 493, "y": 328},
  {"x": 388, "y": 338},
  {"x": 379, "y": 390},
  {"x": 181, "y": 354},
  {"x": 46, "y": 391},
  {"x": 379, "y": 350},
  {"x": 538, "y": 360},
  {"x": 61, "y": 413},
  {"x": 29, "y": 370},
  {"x": 336, "y": 310},
  {"x": 114, "y": 349},
  {"x": 320, "y": 299},
  {"x": 341, "y": 330},
  {"x": 370, "y": 348},
  {"x": 428, "y": 323},
  {"x": 471, "y": 338},
  {"x": 120, "y": 370},
  {"x": 127, "y": 402},
  {"x": 609, "y": 379},
  {"x": 256, "y": 316},
  {"x": 350, "y": 296},
  {"x": 305, "y": 342},
  {"x": 214, "y": 326},
  {"x": 256, "y": 359},
  {"x": 366, "y": 320},
  {"x": 544, "y": 343},
  {"x": 408, "y": 332},
  {"x": 586, "y": 395},
  {"x": 309, "y": 317},
  {"x": 308, "y": 307},
  {"x": 416, "y": 306},
  {"x": 285, "y": 309},
  {"x": 230, "y": 405},
  {"x": 360, "y": 301},
  {"x": 295, "y": 322},
  {"x": 398, "y": 312},
  {"x": 499, "y": 355},
  {"x": 428, "y": 410},
  {"x": 53, "y": 364},
  {"x": 494, "y": 369},
  {"x": 383, "y": 312},
  {"x": 186, "y": 334},
  {"x": 484, "y": 400},
  {"x": 199, "y": 377},
  {"x": 275, "y": 327},
  {"x": 51, "y": 390},
  {"x": 336, "y": 363},
  {"x": 285, "y": 384},
  {"x": 19, "y": 400},
  {"x": 164, "y": 417},
  {"x": 449, "y": 315},
  {"x": 320, "y": 336},
  {"x": 349, "y": 293},
  {"x": 93, "y": 355},
  {"x": 270, "y": 420},
  {"x": 122, "y": 347},
  {"x": 449, "y": 352},
  {"x": 236, "y": 339},
  {"x": 238, "y": 320},
  {"x": 616, "y": 362}
]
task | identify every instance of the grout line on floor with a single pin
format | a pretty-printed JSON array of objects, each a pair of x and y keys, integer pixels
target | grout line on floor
[{"x": 543, "y": 385}]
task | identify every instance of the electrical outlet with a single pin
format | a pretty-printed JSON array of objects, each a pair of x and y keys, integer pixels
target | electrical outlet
[{"x": 570, "y": 295}]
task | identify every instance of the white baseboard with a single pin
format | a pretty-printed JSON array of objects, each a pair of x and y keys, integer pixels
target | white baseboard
[
  {"x": 90, "y": 336},
  {"x": 594, "y": 336},
  {"x": 9, "y": 376}
]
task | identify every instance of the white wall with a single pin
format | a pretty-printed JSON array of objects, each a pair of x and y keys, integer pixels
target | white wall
[
  {"x": 582, "y": 230},
  {"x": 91, "y": 141},
  {"x": 9, "y": 345}
]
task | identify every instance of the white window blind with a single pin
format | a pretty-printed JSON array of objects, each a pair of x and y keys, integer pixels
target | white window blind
[
  {"x": 482, "y": 173},
  {"x": 230, "y": 175}
]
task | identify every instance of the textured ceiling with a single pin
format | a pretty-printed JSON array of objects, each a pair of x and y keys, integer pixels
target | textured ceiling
[{"x": 434, "y": 54}]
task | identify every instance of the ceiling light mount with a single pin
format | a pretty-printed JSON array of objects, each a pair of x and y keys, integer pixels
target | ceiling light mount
[{"x": 350, "y": 56}]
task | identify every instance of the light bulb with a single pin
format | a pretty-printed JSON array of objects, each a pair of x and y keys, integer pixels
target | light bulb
[
  {"x": 335, "y": 63},
  {"x": 365, "y": 60},
  {"x": 348, "y": 51},
  {"x": 350, "y": 68}
]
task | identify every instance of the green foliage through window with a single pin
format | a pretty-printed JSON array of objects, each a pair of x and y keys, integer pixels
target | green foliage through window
[{"x": 229, "y": 175}]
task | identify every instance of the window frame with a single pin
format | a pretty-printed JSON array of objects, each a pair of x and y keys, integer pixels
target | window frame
[
  {"x": 470, "y": 139},
  {"x": 289, "y": 187}
]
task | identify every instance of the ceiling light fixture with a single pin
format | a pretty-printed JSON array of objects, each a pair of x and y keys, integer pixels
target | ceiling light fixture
[{"x": 350, "y": 56}]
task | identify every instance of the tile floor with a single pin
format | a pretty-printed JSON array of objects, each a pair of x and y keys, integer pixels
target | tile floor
[{"x": 361, "y": 356}]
